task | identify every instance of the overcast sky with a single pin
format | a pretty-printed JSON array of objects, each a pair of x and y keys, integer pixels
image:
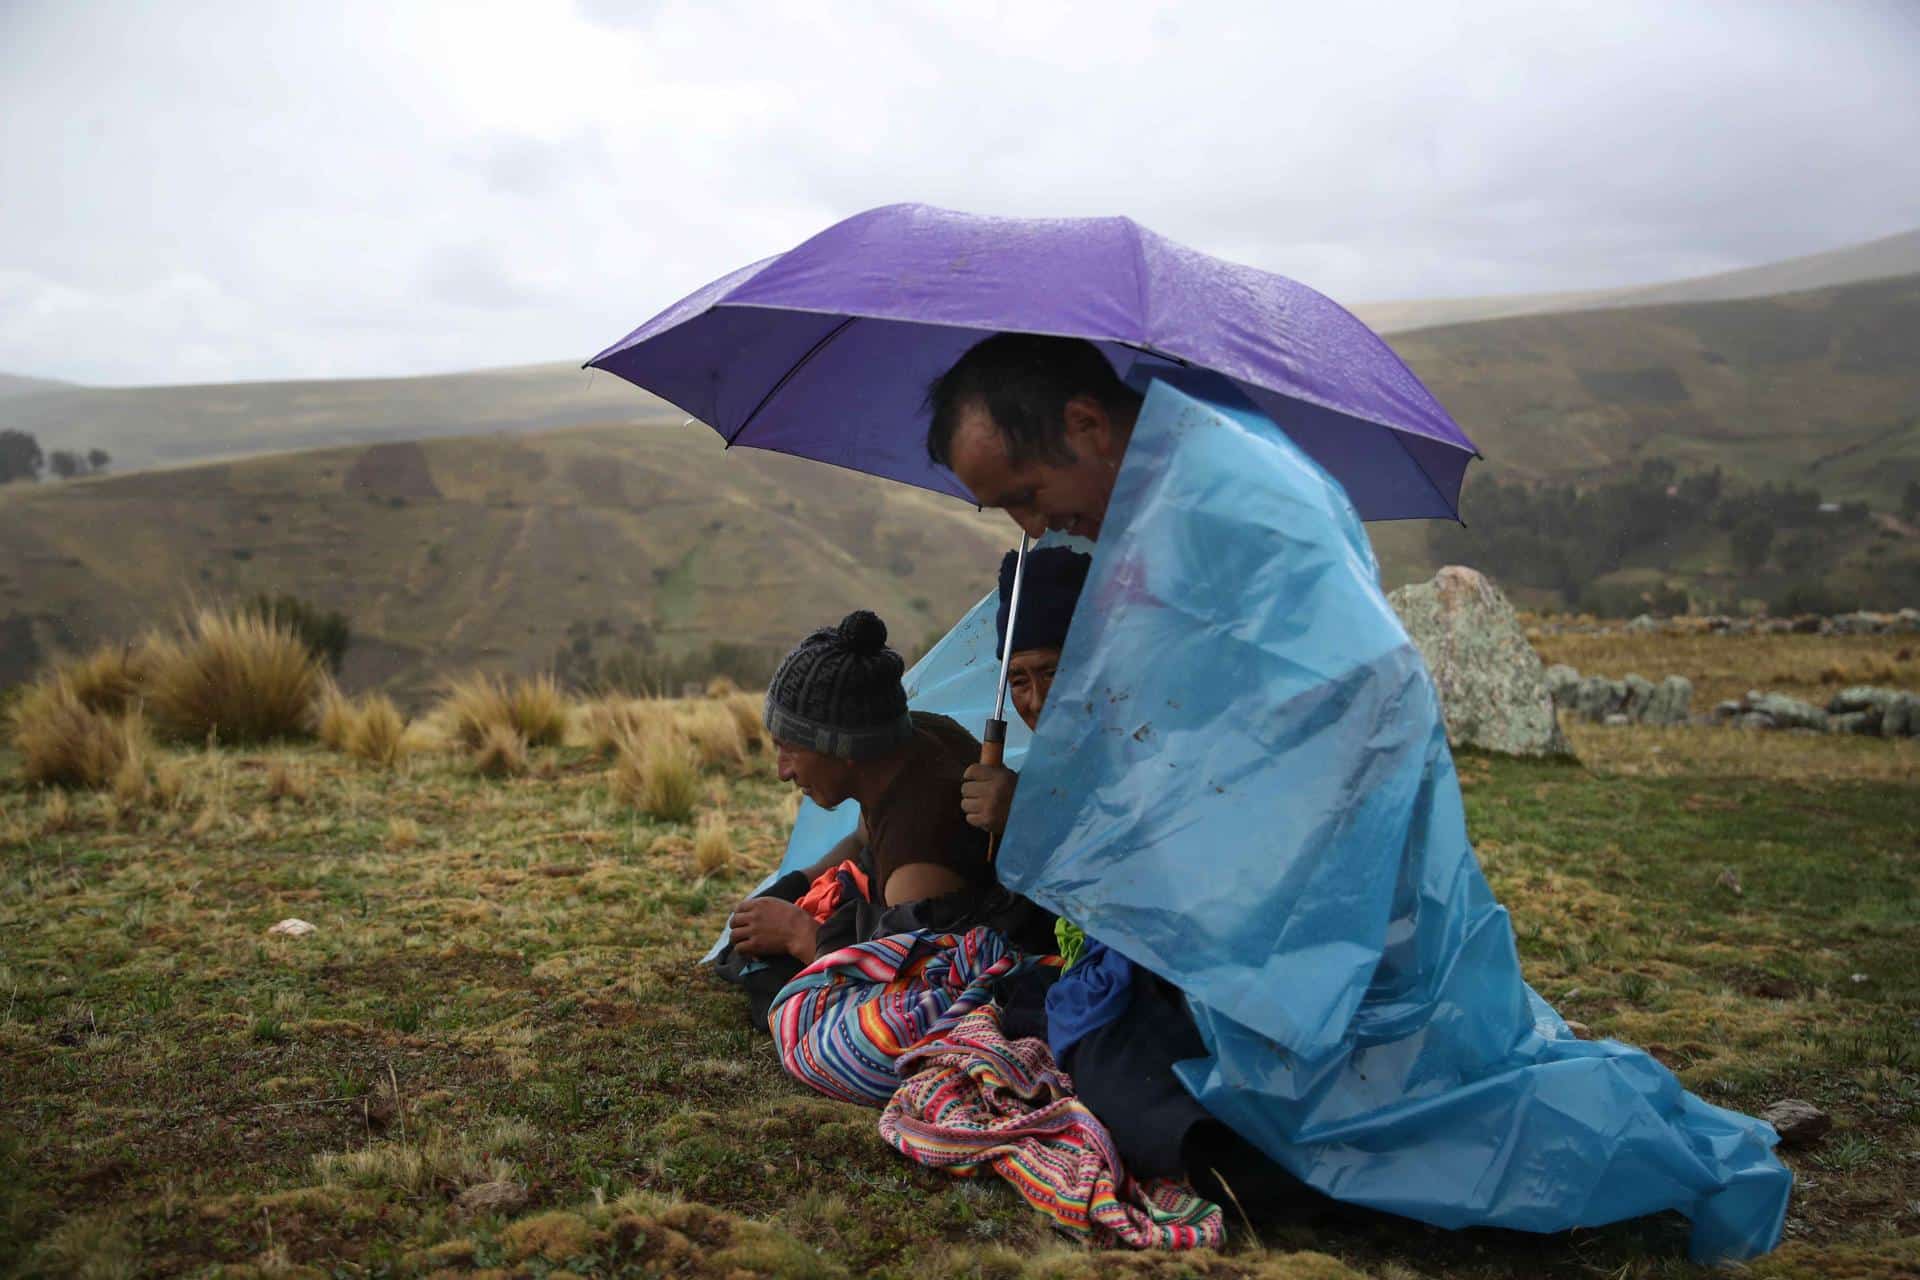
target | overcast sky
[{"x": 201, "y": 192}]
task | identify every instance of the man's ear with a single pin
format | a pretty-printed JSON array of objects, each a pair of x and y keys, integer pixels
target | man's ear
[{"x": 1090, "y": 429}]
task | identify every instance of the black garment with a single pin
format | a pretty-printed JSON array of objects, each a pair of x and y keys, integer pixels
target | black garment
[{"x": 1123, "y": 1071}]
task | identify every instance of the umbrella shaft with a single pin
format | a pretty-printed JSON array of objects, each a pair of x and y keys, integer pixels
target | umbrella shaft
[{"x": 1006, "y": 644}]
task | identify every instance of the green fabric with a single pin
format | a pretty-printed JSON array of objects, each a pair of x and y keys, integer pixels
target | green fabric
[{"x": 1072, "y": 940}]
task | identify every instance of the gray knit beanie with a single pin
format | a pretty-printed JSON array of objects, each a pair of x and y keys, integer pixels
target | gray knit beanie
[{"x": 839, "y": 692}]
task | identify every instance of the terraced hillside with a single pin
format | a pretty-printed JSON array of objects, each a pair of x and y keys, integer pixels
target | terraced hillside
[{"x": 494, "y": 551}]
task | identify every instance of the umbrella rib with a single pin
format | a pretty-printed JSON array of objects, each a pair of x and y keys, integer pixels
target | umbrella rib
[{"x": 788, "y": 376}]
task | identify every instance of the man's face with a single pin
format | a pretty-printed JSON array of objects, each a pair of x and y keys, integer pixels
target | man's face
[
  {"x": 1042, "y": 495},
  {"x": 826, "y": 780},
  {"x": 1029, "y": 679}
]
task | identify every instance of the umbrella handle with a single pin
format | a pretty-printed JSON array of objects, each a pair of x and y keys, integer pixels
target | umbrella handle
[{"x": 993, "y": 751}]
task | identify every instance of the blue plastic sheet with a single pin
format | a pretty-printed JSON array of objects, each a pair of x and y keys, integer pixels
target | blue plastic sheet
[{"x": 1242, "y": 782}]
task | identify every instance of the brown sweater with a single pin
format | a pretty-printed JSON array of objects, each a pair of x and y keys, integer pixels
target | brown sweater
[{"x": 919, "y": 818}]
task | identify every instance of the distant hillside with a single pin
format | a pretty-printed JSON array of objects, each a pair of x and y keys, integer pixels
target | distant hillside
[
  {"x": 1819, "y": 389},
  {"x": 170, "y": 426},
  {"x": 12, "y": 384},
  {"x": 1897, "y": 255},
  {"x": 495, "y": 551}
]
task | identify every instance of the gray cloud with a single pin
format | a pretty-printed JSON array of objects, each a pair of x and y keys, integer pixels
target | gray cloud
[{"x": 358, "y": 189}]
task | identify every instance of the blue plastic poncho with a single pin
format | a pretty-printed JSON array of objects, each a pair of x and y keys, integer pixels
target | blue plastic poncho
[{"x": 1242, "y": 782}]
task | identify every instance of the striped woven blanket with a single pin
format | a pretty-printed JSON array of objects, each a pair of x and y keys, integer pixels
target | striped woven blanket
[
  {"x": 844, "y": 1018},
  {"x": 974, "y": 1099}
]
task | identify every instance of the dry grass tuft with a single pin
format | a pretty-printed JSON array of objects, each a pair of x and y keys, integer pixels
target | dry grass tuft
[
  {"x": 748, "y": 710},
  {"x": 333, "y": 717},
  {"x": 232, "y": 676},
  {"x": 377, "y": 732},
  {"x": 501, "y": 753},
  {"x": 713, "y": 733},
  {"x": 112, "y": 679},
  {"x": 63, "y": 742},
  {"x": 722, "y": 687},
  {"x": 610, "y": 724},
  {"x": 284, "y": 782},
  {"x": 57, "y": 813},
  {"x": 402, "y": 833},
  {"x": 533, "y": 708},
  {"x": 712, "y": 844},
  {"x": 659, "y": 776}
]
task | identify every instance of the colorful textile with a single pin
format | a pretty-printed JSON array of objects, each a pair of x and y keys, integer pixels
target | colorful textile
[
  {"x": 844, "y": 1019},
  {"x": 831, "y": 888},
  {"x": 975, "y": 1099}
]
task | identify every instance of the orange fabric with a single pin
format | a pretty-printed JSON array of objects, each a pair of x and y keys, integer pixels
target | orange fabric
[{"x": 829, "y": 890}]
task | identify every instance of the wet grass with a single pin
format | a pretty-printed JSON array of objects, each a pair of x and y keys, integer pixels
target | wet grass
[{"x": 501, "y": 992}]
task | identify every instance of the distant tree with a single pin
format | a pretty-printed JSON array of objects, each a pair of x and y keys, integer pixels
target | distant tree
[
  {"x": 97, "y": 460},
  {"x": 20, "y": 457},
  {"x": 1752, "y": 540},
  {"x": 67, "y": 464}
]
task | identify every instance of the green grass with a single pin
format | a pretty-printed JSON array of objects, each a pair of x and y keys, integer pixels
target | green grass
[{"x": 514, "y": 1000}]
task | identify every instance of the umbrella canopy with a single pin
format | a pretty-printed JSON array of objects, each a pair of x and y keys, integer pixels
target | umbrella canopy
[{"x": 826, "y": 351}]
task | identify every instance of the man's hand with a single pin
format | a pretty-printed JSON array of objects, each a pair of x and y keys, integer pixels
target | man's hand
[
  {"x": 986, "y": 795},
  {"x": 770, "y": 927}
]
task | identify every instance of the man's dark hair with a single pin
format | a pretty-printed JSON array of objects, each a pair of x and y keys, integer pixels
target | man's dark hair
[{"x": 1024, "y": 381}]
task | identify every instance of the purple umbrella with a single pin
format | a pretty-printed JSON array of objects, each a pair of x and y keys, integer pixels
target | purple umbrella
[{"x": 826, "y": 351}]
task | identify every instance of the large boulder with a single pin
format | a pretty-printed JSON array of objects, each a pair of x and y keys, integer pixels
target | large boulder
[{"x": 1492, "y": 686}]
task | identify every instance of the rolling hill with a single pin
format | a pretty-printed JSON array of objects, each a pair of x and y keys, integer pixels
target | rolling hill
[
  {"x": 1896, "y": 255},
  {"x": 494, "y": 551},
  {"x": 1819, "y": 388},
  {"x": 172, "y": 426}
]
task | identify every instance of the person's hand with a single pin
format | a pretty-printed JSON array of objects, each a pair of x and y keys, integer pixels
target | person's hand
[
  {"x": 986, "y": 795},
  {"x": 771, "y": 927}
]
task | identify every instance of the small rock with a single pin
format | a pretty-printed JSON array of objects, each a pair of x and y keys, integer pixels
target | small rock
[
  {"x": 1730, "y": 880},
  {"x": 1755, "y": 720},
  {"x": 1617, "y": 719},
  {"x": 292, "y": 927},
  {"x": 1562, "y": 683},
  {"x": 1797, "y": 1122},
  {"x": 1861, "y": 722},
  {"x": 1787, "y": 713},
  {"x": 1643, "y": 625},
  {"x": 1639, "y": 694},
  {"x": 1580, "y": 1030},
  {"x": 1671, "y": 703},
  {"x": 1728, "y": 709},
  {"x": 1857, "y": 978},
  {"x": 492, "y": 1197}
]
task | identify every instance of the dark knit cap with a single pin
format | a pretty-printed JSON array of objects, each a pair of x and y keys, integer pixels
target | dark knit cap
[
  {"x": 839, "y": 692},
  {"x": 1048, "y": 594}
]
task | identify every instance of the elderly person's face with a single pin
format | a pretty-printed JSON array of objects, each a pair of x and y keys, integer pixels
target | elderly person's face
[
  {"x": 1038, "y": 494},
  {"x": 826, "y": 780},
  {"x": 1029, "y": 680}
]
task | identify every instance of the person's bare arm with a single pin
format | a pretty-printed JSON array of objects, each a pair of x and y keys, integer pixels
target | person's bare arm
[{"x": 918, "y": 880}]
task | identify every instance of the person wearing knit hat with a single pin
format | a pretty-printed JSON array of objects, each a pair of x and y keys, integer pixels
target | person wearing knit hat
[
  {"x": 837, "y": 713},
  {"x": 1048, "y": 597}
]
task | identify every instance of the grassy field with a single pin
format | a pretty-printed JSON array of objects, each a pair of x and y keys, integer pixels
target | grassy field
[{"x": 497, "y": 1055}]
